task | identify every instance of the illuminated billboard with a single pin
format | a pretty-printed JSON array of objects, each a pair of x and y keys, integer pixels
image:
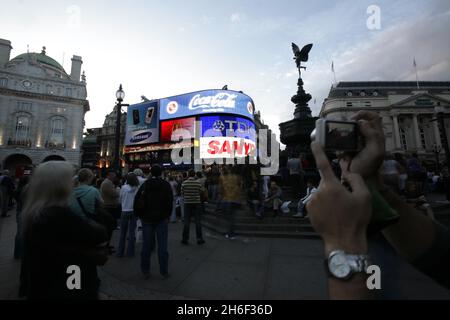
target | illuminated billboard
[
  {"x": 169, "y": 126},
  {"x": 226, "y": 136},
  {"x": 142, "y": 125},
  {"x": 206, "y": 102}
]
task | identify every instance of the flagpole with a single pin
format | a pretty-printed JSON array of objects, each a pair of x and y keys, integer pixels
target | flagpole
[
  {"x": 334, "y": 73},
  {"x": 417, "y": 76}
]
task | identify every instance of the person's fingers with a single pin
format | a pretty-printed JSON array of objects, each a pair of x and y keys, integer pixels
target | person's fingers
[
  {"x": 357, "y": 184},
  {"x": 326, "y": 172},
  {"x": 345, "y": 163}
]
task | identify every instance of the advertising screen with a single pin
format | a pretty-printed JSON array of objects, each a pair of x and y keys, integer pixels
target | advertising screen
[
  {"x": 206, "y": 102},
  {"x": 226, "y": 137},
  {"x": 169, "y": 126},
  {"x": 142, "y": 124}
]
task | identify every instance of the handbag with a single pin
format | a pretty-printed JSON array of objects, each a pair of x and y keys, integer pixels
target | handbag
[{"x": 100, "y": 216}]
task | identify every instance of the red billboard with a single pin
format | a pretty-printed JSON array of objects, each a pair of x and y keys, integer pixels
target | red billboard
[{"x": 169, "y": 126}]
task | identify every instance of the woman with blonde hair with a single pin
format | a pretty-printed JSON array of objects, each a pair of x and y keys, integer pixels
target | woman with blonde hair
[{"x": 57, "y": 242}]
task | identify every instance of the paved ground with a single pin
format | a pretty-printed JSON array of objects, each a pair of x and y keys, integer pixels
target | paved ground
[{"x": 221, "y": 269}]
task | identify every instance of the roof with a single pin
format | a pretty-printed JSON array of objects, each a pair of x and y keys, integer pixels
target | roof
[
  {"x": 383, "y": 88},
  {"x": 41, "y": 58}
]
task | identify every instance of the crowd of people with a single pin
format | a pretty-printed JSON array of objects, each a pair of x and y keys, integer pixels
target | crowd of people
[{"x": 66, "y": 218}]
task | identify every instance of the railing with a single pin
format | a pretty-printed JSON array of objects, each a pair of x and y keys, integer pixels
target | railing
[{"x": 19, "y": 143}]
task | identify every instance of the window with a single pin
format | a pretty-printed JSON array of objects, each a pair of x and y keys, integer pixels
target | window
[
  {"x": 49, "y": 89},
  {"x": 57, "y": 131},
  {"x": 422, "y": 137},
  {"x": 403, "y": 139},
  {"x": 3, "y": 82},
  {"x": 69, "y": 92},
  {"x": 23, "y": 106},
  {"x": 367, "y": 103},
  {"x": 349, "y": 104},
  {"x": 22, "y": 128},
  {"x": 349, "y": 94}
]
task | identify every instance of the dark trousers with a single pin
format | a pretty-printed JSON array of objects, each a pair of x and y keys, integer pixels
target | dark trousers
[
  {"x": 230, "y": 210},
  {"x": 192, "y": 210},
  {"x": 4, "y": 199},
  {"x": 148, "y": 237},
  {"x": 115, "y": 212}
]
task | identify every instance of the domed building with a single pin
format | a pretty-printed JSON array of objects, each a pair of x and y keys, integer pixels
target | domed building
[{"x": 42, "y": 109}]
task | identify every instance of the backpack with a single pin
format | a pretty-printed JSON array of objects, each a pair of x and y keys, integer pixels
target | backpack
[{"x": 139, "y": 201}]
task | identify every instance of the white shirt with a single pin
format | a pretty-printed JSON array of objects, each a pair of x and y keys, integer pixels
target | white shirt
[
  {"x": 127, "y": 194},
  {"x": 141, "y": 180},
  {"x": 309, "y": 193}
]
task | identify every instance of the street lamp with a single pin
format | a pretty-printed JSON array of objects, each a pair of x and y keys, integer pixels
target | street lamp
[{"x": 120, "y": 95}]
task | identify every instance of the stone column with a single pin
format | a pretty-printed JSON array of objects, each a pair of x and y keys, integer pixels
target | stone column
[
  {"x": 437, "y": 136},
  {"x": 396, "y": 130},
  {"x": 416, "y": 133}
]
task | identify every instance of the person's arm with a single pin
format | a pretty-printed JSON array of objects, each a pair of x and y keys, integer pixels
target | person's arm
[{"x": 341, "y": 217}]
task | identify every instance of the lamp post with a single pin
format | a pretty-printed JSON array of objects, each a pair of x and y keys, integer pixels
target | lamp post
[{"x": 120, "y": 95}]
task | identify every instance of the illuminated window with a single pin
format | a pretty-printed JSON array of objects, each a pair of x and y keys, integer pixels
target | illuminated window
[
  {"x": 57, "y": 131},
  {"x": 22, "y": 128}
]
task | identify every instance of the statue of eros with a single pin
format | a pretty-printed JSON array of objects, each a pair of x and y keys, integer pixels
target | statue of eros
[{"x": 301, "y": 55}]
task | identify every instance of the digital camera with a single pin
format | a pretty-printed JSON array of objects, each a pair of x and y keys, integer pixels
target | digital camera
[{"x": 335, "y": 135}]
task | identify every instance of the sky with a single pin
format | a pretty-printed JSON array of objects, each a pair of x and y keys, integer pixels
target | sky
[{"x": 165, "y": 48}]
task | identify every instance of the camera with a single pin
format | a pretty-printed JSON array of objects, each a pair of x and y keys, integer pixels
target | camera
[{"x": 336, "y": 135}]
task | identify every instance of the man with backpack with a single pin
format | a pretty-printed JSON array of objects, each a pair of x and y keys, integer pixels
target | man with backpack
[{"x": 153, "y": 205}]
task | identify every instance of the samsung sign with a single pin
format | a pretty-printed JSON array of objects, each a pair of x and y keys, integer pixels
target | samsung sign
[
  {"x": 142, "y": 124},
  {"x": 206, "y": 102}
]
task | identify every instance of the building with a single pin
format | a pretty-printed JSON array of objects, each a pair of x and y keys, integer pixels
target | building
[
  {"x": 42, "y": 109},
  {"x": 98, "y": 143},
  {"x": 406, "y": 108}
]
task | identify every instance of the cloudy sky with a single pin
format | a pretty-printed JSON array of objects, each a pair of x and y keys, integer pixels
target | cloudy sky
[{"x": 163, "y": 48}]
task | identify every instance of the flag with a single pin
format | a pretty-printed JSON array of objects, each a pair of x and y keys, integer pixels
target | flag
[
  {"x": 414, "y": 62},
  {"x": 332, "y": 66}
]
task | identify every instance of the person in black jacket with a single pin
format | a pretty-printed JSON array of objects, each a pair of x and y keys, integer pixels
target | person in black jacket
[
  {"x": 61, "y": 249},
  {"x": 153, "y": 205}
]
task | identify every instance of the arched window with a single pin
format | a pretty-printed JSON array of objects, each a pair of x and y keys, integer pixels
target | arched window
[
  {"x": 57, "y": 131},
  {"x": 22, "y": 128}
]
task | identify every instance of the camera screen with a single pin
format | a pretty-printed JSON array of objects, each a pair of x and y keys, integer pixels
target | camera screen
[{"x": 341, "y": 136}]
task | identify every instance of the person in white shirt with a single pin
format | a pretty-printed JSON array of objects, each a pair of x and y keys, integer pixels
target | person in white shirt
[
  {"x": 128, "y": 219},
  {"x": 310, "y": 190},
  {"x": 140, "y": 176}
]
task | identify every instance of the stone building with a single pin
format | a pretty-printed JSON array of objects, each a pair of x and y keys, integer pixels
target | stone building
[
  {"x": 406, "y": 109},
  {"x": 42, "y": 109}
]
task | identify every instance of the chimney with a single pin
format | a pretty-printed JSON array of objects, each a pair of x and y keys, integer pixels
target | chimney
[
  {"x": 76, "y": 68},
  {"x": 5, "y": 52}
]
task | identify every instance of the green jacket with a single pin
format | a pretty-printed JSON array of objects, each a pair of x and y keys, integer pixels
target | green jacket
[{"x": 88, "y": 196}]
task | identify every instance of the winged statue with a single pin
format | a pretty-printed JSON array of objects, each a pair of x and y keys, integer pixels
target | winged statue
[{"x": 301, "y": 55}]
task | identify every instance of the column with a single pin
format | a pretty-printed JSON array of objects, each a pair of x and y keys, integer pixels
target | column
[
  {"x": 396, "y": 130},
  {"x": 437, "y": 136},
  {"x": 416, "y": 132}
]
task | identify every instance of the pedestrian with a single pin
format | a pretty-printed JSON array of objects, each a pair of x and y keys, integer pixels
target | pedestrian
[
  {"x": 231, "y": 191},
  {"x": 254, "y": 199},
  {"x": 58, "y": 242},
  {"x": 192, "y": 190},
  {"x": 140, "y": 176},
  {"x": 128, "y": 219},
  {"x": 110, "y": 196},
  {"x": 85, "y": 198},
  {"x": 402, "y": 172},
  {"x": 274, "y": 198},
  {"x": 20, "y": 195},
  {"x": 310, "y": 190},
  {"x": 174, "y": 186},
  {"x": 7, "y": 192},
  {"x": 391, "y": 171},
  {"x": 153, "y": 205}
]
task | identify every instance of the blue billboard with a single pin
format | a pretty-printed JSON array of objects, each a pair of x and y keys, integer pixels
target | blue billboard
[
  {"x": 206, "y": 102},
  {"x": 227, "y": 126},
  {"x": 142, "y": 124}
]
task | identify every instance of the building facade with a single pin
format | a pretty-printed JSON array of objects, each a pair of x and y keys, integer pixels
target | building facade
[
  {"x": 42, "y": 109},
  {"x": 408, "y": 111}
]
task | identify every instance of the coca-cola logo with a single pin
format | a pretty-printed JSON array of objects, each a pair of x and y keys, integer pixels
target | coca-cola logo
[
  {"x": 172, "y": 107},
  {"x": 220, "y": 100}
]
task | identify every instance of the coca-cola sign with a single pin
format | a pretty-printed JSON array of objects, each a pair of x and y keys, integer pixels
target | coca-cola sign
[{"x": 207, "y": 102}]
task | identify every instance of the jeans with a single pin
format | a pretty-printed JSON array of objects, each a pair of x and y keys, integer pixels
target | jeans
[
  {"x": 5, "y": 198},
  {"x": 179, "y": 200},
  {"x": 127, "y": 224},
  {"x": 301, "y": 208},
  {"x": 229, "y": 210},
  {"x": 214, "y": 190},
  {"x": 192, "y": 209},
  {"x": 148, "y": 237}
]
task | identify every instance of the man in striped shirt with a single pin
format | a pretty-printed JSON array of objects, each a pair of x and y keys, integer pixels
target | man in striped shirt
[{"x": 191, "y": 190}]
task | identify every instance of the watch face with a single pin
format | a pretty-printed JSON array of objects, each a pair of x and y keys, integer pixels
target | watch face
[{"x": 339, "y": 266}]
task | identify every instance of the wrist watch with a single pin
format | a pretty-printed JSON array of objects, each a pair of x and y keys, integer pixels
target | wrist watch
[{"x": 343, "y": 266}]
